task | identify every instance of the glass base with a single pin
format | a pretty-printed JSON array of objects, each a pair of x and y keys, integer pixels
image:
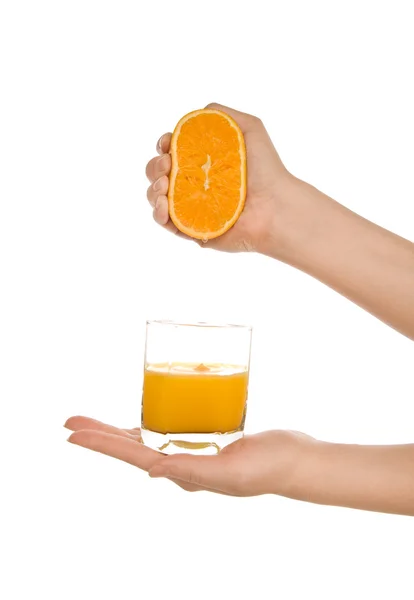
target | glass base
[{"x": 189, "y": 443}]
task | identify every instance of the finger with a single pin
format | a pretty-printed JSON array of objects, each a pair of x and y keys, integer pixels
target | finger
[
  {"x": 161, "y": 214},
  {"x": 158, "y": 166},
  {"x": 163, "y": 144},
  {"x": 189, "y": 487},
  {"x": 169, "y": 226},
  {"x": 77, "y": 423},
  {"x": 244, "y": 120},
  {"x": 211, "y": 472},
  {"x": 134, "y": 431},
  {"x": 157, "y": 189},
  {"x": 126, "y": 449},
  {"x": 162, "y": 217},
  {"x": 82, "y": 423}
]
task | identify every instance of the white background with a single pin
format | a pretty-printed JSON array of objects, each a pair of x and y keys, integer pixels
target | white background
[{"x": 86, "y": 89}]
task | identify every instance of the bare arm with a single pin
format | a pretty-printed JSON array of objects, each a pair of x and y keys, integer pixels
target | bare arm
[
  {"x": 376, "y": 478},
  {"x": 285, "y": 463},
  {"x": 362, "y": 261},
  {"x": 292, "y": 221}
]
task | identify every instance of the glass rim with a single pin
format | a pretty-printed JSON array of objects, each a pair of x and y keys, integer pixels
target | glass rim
[{"x": 200, "y": 324}]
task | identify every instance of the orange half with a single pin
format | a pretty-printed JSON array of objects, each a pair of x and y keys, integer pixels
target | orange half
[{"x": 207, "y": 188}]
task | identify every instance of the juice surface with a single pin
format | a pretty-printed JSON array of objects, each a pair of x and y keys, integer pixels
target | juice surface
[{"x": 194, "y": 398}]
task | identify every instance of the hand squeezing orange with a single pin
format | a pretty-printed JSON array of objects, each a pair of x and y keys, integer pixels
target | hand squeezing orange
[{"x": 207, "y": 188}]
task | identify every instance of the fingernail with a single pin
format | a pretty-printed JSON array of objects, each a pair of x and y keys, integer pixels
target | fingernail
[
  {"x": 162, "y": 163},
  {"x": 159, "y": 146},
  {"x": 159, "y": 202},
  {"x": 157, "y": 185}
]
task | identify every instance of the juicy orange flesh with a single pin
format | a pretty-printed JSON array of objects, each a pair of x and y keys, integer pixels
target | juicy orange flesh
[{"x": 207, "y": 186}]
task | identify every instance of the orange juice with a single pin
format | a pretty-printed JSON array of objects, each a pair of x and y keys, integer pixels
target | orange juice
[{"x": 194, "y": 398}]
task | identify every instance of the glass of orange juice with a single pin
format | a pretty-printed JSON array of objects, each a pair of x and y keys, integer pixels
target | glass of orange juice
[{"x": 196, "y": 378}]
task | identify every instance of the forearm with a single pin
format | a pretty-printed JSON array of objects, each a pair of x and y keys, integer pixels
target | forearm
[
  {"x": 362, "y": 261},
  {"x": 376, "y": 478}
]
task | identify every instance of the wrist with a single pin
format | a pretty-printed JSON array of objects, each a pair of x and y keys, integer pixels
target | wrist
[
  {"x": 298, "y": 462},
  {"x": 308, "y": 473},
  {"x": 313, "y": 481},
  {"x": 298, "y": 211},
  {"x": 318, "y": 473}
]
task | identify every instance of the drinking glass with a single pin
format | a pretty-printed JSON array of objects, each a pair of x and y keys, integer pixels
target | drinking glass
[{"x": 196, "y": 379}]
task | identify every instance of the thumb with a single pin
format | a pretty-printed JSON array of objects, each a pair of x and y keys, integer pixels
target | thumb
[
  {"x": 206, "y": 471},
  {"x": 245, "y": 121}
]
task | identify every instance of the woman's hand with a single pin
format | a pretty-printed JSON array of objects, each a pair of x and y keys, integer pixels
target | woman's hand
[
  {"x": 266, "y": 463},
  {"x": 268, "y": 185},
  {"x": 290, "y": 220},
  {"x": 287, "y": 463}
]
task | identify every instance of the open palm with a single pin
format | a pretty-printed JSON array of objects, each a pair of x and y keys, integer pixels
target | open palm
[{"x": 256, "y": 464}]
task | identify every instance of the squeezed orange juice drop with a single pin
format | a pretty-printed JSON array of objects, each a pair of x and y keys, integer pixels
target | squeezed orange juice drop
[{"x": 194, "y": 398}]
